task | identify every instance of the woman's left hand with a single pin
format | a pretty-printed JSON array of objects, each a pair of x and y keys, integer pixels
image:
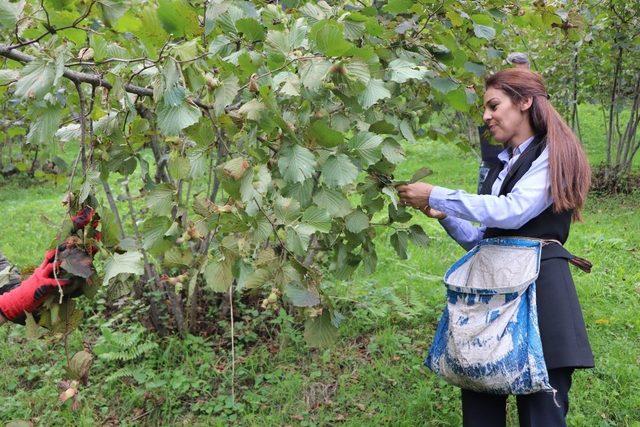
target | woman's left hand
[{"x": 415, "y": 195}]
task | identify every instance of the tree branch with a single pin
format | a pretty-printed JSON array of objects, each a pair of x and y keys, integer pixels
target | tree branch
[{"x": 92, "y": 79}]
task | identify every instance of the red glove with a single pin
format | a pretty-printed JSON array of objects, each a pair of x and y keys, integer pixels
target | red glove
[{"x": 31, "y": 292}]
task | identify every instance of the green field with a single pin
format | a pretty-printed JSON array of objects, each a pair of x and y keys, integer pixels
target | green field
[{"x": 374, "y": 373}]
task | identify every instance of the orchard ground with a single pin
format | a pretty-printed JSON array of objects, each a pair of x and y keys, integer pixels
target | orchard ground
[{"x": 372, "y": 376}]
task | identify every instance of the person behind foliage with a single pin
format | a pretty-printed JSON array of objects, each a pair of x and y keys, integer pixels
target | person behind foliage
[{"x": 537, "y": 189}]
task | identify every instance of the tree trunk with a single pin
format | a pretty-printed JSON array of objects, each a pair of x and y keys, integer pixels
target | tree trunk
[
  {"x": 575, "y": 121},
  {"x": 32, "y": 170},
  {"x": 614, "y": 90}
]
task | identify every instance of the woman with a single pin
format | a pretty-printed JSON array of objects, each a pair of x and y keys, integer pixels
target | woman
[{"x": 536, "y": 192}]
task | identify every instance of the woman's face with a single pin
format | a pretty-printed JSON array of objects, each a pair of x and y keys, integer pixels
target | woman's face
[{"x": 504, "y": 118}]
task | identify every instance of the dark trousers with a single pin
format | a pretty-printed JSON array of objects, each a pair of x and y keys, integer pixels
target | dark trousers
[{"x": 534, "y": 410}]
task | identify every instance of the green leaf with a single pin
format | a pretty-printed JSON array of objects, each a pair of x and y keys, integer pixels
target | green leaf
[
  {"x": 339, "y": 171},
  {"x": 198, "y": 164},
  {"x": 286, "y": 210},
  {"x": 314, "y": 12},
  {"x": 458, "y": 100},
  {"x": 178, "y": 18},
  {"x": 8, "y": 76},
  {"x": 252, "y": 110},
  {"x": 357, "y": 221},
  {"x": 151, "y": 32},
  {"x": 160, "y": 200},
  {"x": 392, "y": 151},
  {"x": 10, "y": 13},
  {"x": 382, "y": 127},
  {"x": 320, "y": 133},
  {"x": 399, "y": 241},
  {"x": 393, "y": 195},
  {"x": 418, "y": 236},
  {"x": 154, "y": 230},
  {"x": 300, "y": 191},
  {"x": 251, "y": 29},
  {"x": 172, "y": 119},
  {"x": 174, "y": 95},
  {"x": 477, "y": 69},
  {"x": 91, "y": 180},
  {"x": 109, "y": 227},
  {"x": 128, "y": 262},
  {"x": 212, "y": 13},
  {"x": 374, "y": 92},
  {"x": 301, "y": 297},
  {"x": 333, "y": 201},
  {"x": 328, "y": 37},
  {"x": 298, "y": 238},
  {"x": 36, "y": 79},
  {"x": 178, "y": 257},
  {"x": 45, "y": 124},
  {"x": 70, "y": 318},
  {"x": 178, "y": 166},
  {"x": 320, "y": 331},
  {"x": 369, "y": 261},
  {"x": 443, "y": 84},
  {"x": 255, "y": 279},
  {"x": 407, "y": 132},
  {"x": 225, "y": 94},
  {"x": 484, "y": 32},
  {"x": 235, "y": 167},
  {"x": 112, "y": 11},
  {"x": 296, "y": 163},
  {"x": 396, "y": 7},
  {"x": 419, "y": 174},
  {"x": 399, "y": 214},
  {"x": 313, "y": 72},
  {"x": 366, "y": 146},
  {"x": 354, "y": 30},
  {"x": 318, "y": 218},
  {"x": 219, "y": 275},
  {"x": 279, "y": 40},
  {"x": 358, "y": 70},
  {"x": 298, "y": 34},
  {"x": 402, "y": 70},
  {"x": 291, "y": 84}
]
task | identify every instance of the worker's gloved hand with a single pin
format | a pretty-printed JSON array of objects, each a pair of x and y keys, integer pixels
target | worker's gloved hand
[{"x": 32, "y": 292}]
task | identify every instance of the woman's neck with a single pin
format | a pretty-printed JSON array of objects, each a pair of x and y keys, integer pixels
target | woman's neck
[{"x": 520, "y": 137}]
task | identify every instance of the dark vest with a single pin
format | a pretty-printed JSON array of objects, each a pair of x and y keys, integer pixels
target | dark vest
[
  {"x": 562, "y": 331},
  {"x": 547, "y": 225}
]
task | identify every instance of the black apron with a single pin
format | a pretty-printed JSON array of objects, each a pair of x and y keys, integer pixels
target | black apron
[{"x": 562, "y": 330}]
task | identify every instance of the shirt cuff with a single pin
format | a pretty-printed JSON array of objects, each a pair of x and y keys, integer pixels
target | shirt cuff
[
  {"x": 438, "y": 198},
  {"x": 449, "y": 222}
]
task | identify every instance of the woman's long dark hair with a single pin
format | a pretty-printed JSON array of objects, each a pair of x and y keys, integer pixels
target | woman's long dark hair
[{"x": 569, "y": 169}]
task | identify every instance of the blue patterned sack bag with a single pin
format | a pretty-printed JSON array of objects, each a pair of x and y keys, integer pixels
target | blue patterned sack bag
[{"x": 488, "y": 338}]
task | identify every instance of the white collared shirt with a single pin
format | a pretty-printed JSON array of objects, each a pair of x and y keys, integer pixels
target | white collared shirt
[{"x": 529, "y": 197}]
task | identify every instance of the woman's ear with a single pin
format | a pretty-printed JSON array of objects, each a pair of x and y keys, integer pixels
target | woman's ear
[{"x": 526, "y": 103}]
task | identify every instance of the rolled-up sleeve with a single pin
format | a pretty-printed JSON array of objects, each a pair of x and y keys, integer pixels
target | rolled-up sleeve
[
  {"x": 529, "y": 197},
  {"x": 463, "y": 232}
]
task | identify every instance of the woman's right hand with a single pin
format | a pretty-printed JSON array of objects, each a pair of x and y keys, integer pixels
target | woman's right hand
[{"x": 432, "y": 213}]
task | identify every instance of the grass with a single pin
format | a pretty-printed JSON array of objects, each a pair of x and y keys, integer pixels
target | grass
[{"x": 374, "y": 373}]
